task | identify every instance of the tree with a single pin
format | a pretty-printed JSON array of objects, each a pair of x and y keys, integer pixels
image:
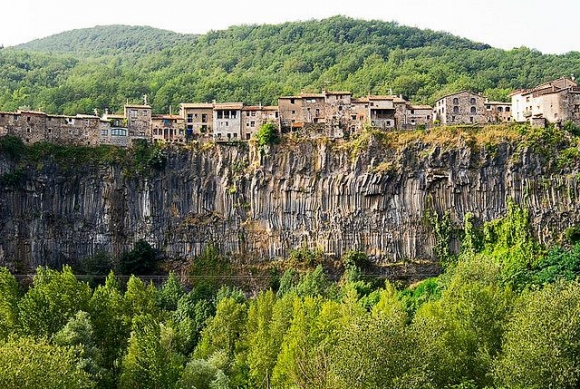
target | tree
[
  {"x": 267, "y": 134},
  {"x": 202, "y": 374},
  {"x": 542, "y": 341},
  {"x": 373, "y": 350},
  {"x": 141, "y": 260},
  {"x": 9, "y": 296},
  {"x": 140, "y": 298},
  {"x": 304, "y": 358},
  {"x": 224, "y": 331},
  {"x": 170, "y": 293},
  {"x": 150, "y": 361},
  {"x": 78, "y": 335},
  {"x": 111, "y": 325},
  {"x": 36, "y": 364},
  {"x": 459, "y": 335},
  {"x": 52, "y": 301}
]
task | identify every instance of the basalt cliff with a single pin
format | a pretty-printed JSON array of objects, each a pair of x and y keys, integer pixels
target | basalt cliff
[{"x": 379, "y": 193}]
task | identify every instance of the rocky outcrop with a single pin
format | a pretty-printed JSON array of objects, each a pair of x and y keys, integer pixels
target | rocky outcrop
[{"x": 309, "y": 193}]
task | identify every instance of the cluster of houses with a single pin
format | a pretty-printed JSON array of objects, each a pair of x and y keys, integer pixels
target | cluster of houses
[{"x": 332, "y": 114}]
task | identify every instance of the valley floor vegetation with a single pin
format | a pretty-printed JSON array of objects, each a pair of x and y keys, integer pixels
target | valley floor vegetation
[{"x": 505, "y": 313}]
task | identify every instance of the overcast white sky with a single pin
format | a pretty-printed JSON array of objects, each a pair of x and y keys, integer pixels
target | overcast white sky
[{"x": 551, "y": 26}]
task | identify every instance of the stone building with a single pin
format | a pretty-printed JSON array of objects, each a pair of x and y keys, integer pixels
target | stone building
[
  {"x": 291, "y": 117},
  {"x": 335, "y": 113},
  {"x": 386, "y": 112},
  {"x": 498, "y": 111},
  {"x": 33, "y": 127},
  {"x": 227, "y": 121},
  {"x": 556, "y": 101},
  {"x": 168, "y": 128},
  {"x": 463, "y": 107},
  {"x": 198, "y": 118},
  {"x": 113, "y": 130},
  {"x": 253, "y": 117},
  {"x": 417, "y": 115},
  {"x": 359, "y": 114},
  {"x": 138, "y": 120}
]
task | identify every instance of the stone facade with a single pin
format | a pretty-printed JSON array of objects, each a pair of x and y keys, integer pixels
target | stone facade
[
  {"x": 417, "y": 116},
  {"x": 198, "y": 118},
  {"x": 498, "y": 112},
  {"x": 138, "y": 120},
  {"x": 168, "y": 128},
  {"x": 253, "y": 117},
  {"x": 33, "y": 127},
  {"x": 556, "y": 102},
  {"x": 335, "y": 114},
  {"x": 227, "y": 121},
  {"x": 464, "y": 107}
]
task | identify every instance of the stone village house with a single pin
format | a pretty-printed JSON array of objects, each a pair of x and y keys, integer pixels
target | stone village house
[
  {"x": 557, "y": 102},
  {"x": 330, "y": 113}
]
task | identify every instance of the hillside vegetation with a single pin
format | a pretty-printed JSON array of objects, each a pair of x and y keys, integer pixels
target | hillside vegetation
[
  {"x": 504, "y": 314},
  {"x": 78, "y": 71}
]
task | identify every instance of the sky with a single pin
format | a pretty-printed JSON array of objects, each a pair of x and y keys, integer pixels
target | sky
[{"x": 550, "y": 26}]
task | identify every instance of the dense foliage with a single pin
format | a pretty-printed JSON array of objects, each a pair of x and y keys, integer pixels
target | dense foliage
[
  {"x": 504, "y": 314},
  {"x": 79, "y": 71}
]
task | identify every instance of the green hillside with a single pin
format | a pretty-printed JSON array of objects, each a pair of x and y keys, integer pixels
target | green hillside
[
  {"x": 103, "y": 40},
  {"x": 102, "y": 67}
]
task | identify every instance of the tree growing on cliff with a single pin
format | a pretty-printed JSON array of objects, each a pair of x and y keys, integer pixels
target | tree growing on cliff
[{"x": 267, "y": 135}]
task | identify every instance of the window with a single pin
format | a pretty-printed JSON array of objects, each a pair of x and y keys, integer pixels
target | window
[
  {"x": 118, "y": 132},
  {"x": 248, "y": 113},
  {"x": 353, "y": 117},
  {"x": 471, "y": 119},
  {"x": 50, "y": 130},
  {"x": 472, "y": 100},
  {"x": 317, "y": 112},
  {"x": 293, "y": 112},
  {"x": 455, "y": 100},
  {"x": 28, "y": 130},
  {"x": 189, "y": 117},
  {"x": 507, "y": 109},
  {"x": 473, "y": 110},
  {"x": 488, "y": 107},
  {"x": 133, "y": 113},
  {"x": 253, "y": 113},
  {"x": 204, "y": 117},
  {"x": 252, "y": 124},
  {"x": 28, "y": 119},
  {"x": 103, "y": 132},
  {"x": 455, "y": 109},
  {"x": 500, "y": 109},
  {"x": 291, "y": 101},
  {"x": 452, "y": 118}
]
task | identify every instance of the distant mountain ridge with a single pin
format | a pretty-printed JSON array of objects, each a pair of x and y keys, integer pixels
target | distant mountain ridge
[
  {"x": 108, "y": 39},
  {"x": 106, "y": 66}
]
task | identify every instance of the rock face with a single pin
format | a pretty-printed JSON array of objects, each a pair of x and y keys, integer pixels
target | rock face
[{"x": 313, "y": 194}]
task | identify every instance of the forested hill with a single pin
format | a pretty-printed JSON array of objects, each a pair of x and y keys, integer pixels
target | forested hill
[
  {"x": 78, "y": 71},
  {"x": 108, "y": 40}
]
